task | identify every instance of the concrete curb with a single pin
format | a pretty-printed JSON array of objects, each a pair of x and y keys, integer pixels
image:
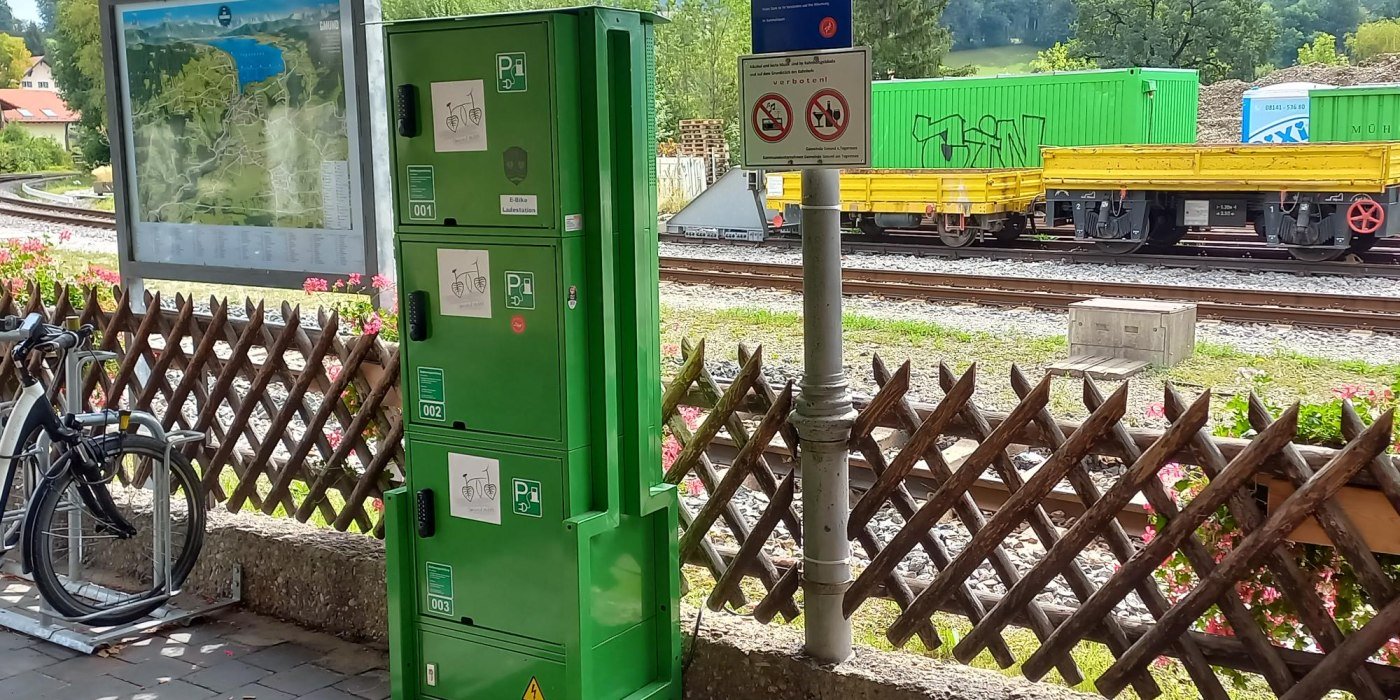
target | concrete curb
[
  {"x": 334, "y": 582},
  {"x": 739, "y": 659}
]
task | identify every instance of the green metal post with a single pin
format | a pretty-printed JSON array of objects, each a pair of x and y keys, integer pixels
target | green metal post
[{"x": 533, "y": 548}]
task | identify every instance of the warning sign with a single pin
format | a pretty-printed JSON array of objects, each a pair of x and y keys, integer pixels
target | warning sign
[
  {"x": 772, "y": 117},
  {"x": 828, "y": 114},
  {"x": 833, "y": 90},
  {"x": 532, "y": 691}
]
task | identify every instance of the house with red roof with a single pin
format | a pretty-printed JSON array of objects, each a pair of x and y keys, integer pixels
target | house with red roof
[
  {"x": 40, "y": 112},
  {"x": 39, "y": 76}
]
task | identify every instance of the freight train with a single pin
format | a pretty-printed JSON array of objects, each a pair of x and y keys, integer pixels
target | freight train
[{"x": 1114, "y": 153}]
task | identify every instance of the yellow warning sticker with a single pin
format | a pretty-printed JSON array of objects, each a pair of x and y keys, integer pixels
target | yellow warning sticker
[{"x": 532, "y": 691}]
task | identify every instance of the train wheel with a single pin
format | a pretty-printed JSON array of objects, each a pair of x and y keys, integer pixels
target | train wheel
[
  {"x": 1011, "y": 229},
  {"x": 868, "y": 227},
  {"x": 957, "y": 239},
  {"x": 1361, "y": 244},
  {"x": 1316, "y": 254},
  {"x": 1119, "y": 247}
]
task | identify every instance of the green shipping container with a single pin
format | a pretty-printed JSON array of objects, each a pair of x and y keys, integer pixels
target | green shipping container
[
  {"x": 1357, "y": 113},
  {"x": 1001, "y": 122}
]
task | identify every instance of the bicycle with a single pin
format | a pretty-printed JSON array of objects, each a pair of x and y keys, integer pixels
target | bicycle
[{"x": 88, "y": 490}]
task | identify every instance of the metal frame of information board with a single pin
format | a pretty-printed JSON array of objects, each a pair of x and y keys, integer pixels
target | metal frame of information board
[{"x": 366, "y": 226}]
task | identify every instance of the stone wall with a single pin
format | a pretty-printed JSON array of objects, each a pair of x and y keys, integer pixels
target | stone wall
[{"x": 334, "y": 582}]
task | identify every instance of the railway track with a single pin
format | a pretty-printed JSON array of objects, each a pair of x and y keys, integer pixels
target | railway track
[
  {"x": 1380, "y": 263},
  {"x": 15, "y": 205},
  {"x": 1380, "y": 314}
]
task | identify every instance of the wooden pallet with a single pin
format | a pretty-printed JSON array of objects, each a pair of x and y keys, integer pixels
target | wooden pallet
[{"x": 1098, "y": 367}]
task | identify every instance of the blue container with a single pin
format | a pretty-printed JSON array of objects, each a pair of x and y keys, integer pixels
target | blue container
[{"x": 1277, "y": 113}]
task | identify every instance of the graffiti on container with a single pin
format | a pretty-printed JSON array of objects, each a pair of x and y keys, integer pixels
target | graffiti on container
[{"x": 986, "y": 142}]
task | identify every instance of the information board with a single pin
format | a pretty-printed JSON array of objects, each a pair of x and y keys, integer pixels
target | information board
[
  {"x": 238, "y": 137},
  {"x": 798, "y": 25},
  {"x": 806, "y": 109}
]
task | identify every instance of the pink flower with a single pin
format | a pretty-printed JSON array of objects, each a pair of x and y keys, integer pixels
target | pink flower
[
  {"x": 315, "y": 284},
  {"x": 373, "y": 324},
  {"x": 693, "y": 485},
  {"x": 381, "y": 282},
  {"x": 333, "y": 372},
  {"x": 32, "y": 245},
  {"x": 1347, "y": 391},
  {"x": 1156, "y": 410},
  {"x": 354, "y": 280},
  {"x": 1148, "y": 534},
  {"x": 334, "y": 437},
  {"x": 377, "y": 504},
  {"x": 5, "y": 255},
  {"x": 670, "y": 450},
  {"x": 111, "y": 277},
  {"x": 65, "y": 236},
  {"x": 670, "y": 350},
  {"x": 691, "y": 415}
]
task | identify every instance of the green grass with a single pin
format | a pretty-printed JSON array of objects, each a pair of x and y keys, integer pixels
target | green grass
[
  {"x": 69, "y": 184},
  {"x": 875, "y": 617},
  {"x": 73, "y": 261},
  {"x": 1290, "y": 376},
  {"x": 995, "y": 60}
]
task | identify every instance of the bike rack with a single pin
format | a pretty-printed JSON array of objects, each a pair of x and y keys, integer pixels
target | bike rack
[{"x": 28, "y": 614}]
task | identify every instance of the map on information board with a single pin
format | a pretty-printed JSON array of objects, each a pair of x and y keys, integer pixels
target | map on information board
[{"x": 238, "y": 114}]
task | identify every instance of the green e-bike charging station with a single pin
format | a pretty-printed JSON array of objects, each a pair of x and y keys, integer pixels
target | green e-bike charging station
[{"x": 532, "y": 550}]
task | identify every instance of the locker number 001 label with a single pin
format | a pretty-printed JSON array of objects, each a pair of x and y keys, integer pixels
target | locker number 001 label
[{"x": 422, "y": 210}]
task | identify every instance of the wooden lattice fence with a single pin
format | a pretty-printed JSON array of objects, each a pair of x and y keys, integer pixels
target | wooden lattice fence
[
  {"x": 256, "y": 381},
  {"x": 259, "y": 384},
  {"x": 895, "y": 443}
]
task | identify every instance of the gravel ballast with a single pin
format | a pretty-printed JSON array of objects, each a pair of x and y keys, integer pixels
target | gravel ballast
[{"x": 1127, "y": 273}]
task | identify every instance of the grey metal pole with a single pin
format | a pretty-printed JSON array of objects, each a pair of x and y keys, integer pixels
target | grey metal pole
[{"x": 823, "y": 418}]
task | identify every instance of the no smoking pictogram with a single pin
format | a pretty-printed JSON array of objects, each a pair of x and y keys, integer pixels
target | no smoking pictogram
[
  {"x": 772, "y": 117},
  {"x": 827, "y": 27},
  {"x": 828, "y": 114}
]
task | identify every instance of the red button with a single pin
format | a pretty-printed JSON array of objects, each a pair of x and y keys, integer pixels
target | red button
[{"x": 517, "y": 324}]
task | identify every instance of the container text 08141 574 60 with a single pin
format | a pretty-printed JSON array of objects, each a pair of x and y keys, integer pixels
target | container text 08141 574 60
[{"x": 1001, "y": 122}]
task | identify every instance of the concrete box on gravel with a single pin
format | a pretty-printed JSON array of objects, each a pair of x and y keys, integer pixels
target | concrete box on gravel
[{"x": 1163, "y": 333}]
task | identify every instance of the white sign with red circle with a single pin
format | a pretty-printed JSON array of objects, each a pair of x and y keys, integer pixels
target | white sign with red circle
[
  {"x": 828, "y": 114},
  {"x": 772, "y": 117},
  {"x": 832, "y": 88}
]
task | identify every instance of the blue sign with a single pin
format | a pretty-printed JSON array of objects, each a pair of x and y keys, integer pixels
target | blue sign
[{"x": 801, "y": 25}]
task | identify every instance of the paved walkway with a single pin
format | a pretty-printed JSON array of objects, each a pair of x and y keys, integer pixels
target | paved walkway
[{"x": 234, "y": 656}]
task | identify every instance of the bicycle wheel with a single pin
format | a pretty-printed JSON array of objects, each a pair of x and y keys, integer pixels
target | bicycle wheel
[{"x": 67, "y": 538}]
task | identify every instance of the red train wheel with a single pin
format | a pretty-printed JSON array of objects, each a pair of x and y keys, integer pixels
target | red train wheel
[{"x": 1365, "y": 216}]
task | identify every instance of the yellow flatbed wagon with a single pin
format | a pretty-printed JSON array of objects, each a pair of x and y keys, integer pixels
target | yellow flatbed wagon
[
  {"x": 962, "y": 205},
  {"x": 1318, "y": 200}
]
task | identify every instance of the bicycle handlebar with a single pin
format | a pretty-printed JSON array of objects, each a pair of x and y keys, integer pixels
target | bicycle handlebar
[{"x": 33, "y": 334}]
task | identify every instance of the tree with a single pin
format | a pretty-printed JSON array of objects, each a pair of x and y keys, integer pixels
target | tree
[
  {"x": 48, "y": 13},
  {"x": 34, "y": 38},
  {"x": 7, "y": 18},
  {"x": 697, "y": 59},
  {"x": 904, "y": 36},
  {"x": 1219, "y": 38},
  {"x": 979, "y": 23},
  {"x": 1300, "y": 20},
  {"x": 75, "y": 54},
  {"x": 1321, "y": 52},
  {"x": 1061, "y": 57},
  {"x": 1374, "y": 38},
  {"x": 14, "y": 60}
]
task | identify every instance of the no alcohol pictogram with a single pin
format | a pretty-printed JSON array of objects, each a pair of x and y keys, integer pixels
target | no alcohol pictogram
[
  {"x": 772, "y": 118},
  {"x": 828, "y": 114}
]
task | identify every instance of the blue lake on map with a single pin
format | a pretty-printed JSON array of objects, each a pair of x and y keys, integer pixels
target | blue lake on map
[{"x": 255, "y": 60}]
